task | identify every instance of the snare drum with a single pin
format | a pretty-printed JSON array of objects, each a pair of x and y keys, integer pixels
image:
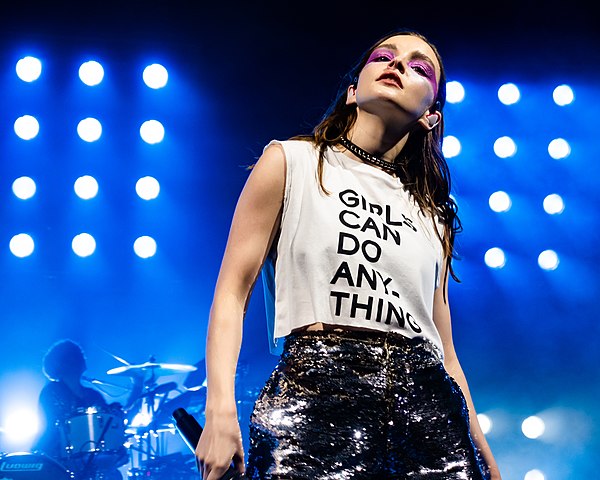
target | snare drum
[
  {"x": 32, "y": 466},
  {"x": 92, "y": 431}
]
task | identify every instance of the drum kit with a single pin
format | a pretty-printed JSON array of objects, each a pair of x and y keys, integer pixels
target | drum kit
[{"x": 99, "y": 444}]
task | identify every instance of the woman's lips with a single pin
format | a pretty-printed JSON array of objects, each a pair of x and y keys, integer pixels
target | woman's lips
[{"x": 391, "y": 78}]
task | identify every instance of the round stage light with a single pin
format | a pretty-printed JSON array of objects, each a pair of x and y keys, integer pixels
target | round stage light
[
  {"x": 144, "y": 247},
  {"x": 505, "y": 147},
  {"x": 548, "y": 260},
  {"x": 24, "y": 188},
  {"x": 86, "y": 187},
  {"x": 495, "y": 258},
  {"x": 534, "y": 474},
  {"x": 89, "y": 129},
  {"x": 147, "y": 188},
  {"x": 155, "y": 76},
  {"x": 21, "y": 425},
  {"x": 22, "y": 245},
  {"x": 485, "y": 423},
  {"x": 533, "y": 427},
  {"x": 83, "y": 245},
  {"x": 554, "y": 204},
  {"x": 152, "y": 132},
  {"x": 509, "y": 94},
  {"x": 26, "y": 127},
  {"x": 451, "y": 146},
  {"x": 500, "y": 201},
  {"x": 29, "y": 69},
  {"x": 455, "y": 92},
  {"x": 563, "y": 95},
  {"x": 559, "y": 148},
  {"x": 91, "y": 73}
]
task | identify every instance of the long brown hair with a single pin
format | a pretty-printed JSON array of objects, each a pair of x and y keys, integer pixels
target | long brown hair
[{"x": 421, "y": 165}]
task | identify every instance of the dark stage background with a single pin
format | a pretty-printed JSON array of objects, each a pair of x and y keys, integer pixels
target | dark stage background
[{"x": 241, "y": 74}]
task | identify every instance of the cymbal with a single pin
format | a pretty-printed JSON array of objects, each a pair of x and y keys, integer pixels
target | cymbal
[{"x": 153, "y": 368}]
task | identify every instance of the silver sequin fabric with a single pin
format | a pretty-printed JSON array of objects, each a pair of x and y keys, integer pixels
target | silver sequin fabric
[{"x": 361, "y": 405}]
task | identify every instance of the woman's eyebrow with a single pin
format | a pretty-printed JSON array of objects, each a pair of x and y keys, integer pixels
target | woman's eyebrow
[{"x": 389, "y": 46}]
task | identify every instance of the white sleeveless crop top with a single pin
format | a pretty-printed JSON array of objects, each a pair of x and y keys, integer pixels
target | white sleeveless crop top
[{"x": 363, "y": 256}]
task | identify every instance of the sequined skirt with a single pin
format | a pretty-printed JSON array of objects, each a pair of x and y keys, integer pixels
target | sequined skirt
[{"x": 361, "y": 405}]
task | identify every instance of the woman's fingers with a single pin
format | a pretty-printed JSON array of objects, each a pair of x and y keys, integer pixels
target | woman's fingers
[
  {"x": 238, "y": 462},
  {"x": 219, "y": 445},
  {"x": 214, "y": 473}
]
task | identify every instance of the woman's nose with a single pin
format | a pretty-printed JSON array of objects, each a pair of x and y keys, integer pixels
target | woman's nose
[{"x": 397, "y": 63}]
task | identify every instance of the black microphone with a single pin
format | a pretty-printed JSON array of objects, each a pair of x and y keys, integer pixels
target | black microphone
[{"x": 189, "y": 428}]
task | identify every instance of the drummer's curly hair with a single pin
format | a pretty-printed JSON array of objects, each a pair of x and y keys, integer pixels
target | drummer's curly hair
[{"x": 62, "y": 356}]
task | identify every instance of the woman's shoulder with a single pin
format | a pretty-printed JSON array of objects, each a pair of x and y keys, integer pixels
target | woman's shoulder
[
  {"x": 295, "y": 146},
  {"x": 293, "y": 142}
]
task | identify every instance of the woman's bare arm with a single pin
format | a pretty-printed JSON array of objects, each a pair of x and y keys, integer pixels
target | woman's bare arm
[
  {"x": 254, "y": 225},
  {"x": 442, "y": 320}
]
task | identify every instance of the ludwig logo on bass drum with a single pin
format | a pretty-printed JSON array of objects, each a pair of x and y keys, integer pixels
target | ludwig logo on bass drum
[{"x": 21, "y": 467}]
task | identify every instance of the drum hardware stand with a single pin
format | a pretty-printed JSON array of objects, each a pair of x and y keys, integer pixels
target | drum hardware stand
[
  {"x": 151, "y": 444},
  {"x": 148, "y": 444},
  {"x": 93, "y": 454}
]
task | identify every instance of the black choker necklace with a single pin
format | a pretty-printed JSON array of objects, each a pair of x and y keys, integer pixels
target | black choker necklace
[{"x": 389, "y": 167}]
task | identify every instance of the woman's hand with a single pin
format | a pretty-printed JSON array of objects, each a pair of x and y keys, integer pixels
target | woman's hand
[
  {"x": 219, "y": 445},
  {"x": 253, "y": 229}
]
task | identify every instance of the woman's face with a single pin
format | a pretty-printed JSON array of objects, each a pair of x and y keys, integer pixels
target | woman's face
[{"x": 402, "y": 73}]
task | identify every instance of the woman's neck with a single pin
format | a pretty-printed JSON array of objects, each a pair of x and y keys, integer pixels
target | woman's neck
[{"x": 371, "y": 134}]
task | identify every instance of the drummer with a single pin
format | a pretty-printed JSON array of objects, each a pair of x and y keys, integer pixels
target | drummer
[{"x": 64, "y": 364}]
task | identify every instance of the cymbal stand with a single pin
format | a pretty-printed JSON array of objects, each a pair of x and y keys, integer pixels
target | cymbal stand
[{"x": 149, "y": 443}]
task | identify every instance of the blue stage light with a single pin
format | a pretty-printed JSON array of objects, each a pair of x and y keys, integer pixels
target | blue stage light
[
  {"x": 509, "y": 94},
  {"x": 20, "y": 426},
  {"x": 24, "y": 188},
  {"x": 451, "y": 146},
  {"x": 563, "y": 95},
  {"x": 500, "y": 201},
  {"x": 559, "y": 148},
  {"x": 83, "y": 245},
  {"x": 152, "y": 132},
  {"x": 534, "y": 474},
  {"x": 155, "y": 76},
  {"x": 89, "y": 129},
  {"x": 144, "y": 247},
  {"x": 485, "y": 422},
  {"x": 533, "y": 427},
  {"x": 548, "y": 260},
  {"x": 86, "y": 187},
  {"x": 26, "y": 127},
  {"x": 22, "y": 245},
  {"x": 505, "y": 147},
  {"x": 29, "y": 69},
  {"x": 91, "y": 73},
  {"x": 455, "y": 92},
  {"x": 495, "y": 258},
  {"x": 554, "y": 204},
  {"x": 147, "y": 188}
]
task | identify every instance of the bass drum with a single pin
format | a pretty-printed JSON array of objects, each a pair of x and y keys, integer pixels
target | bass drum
[{"x": 32, "y": 466}]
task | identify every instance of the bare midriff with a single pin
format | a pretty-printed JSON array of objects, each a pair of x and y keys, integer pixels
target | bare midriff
[{"x": 320, "y": 326}]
